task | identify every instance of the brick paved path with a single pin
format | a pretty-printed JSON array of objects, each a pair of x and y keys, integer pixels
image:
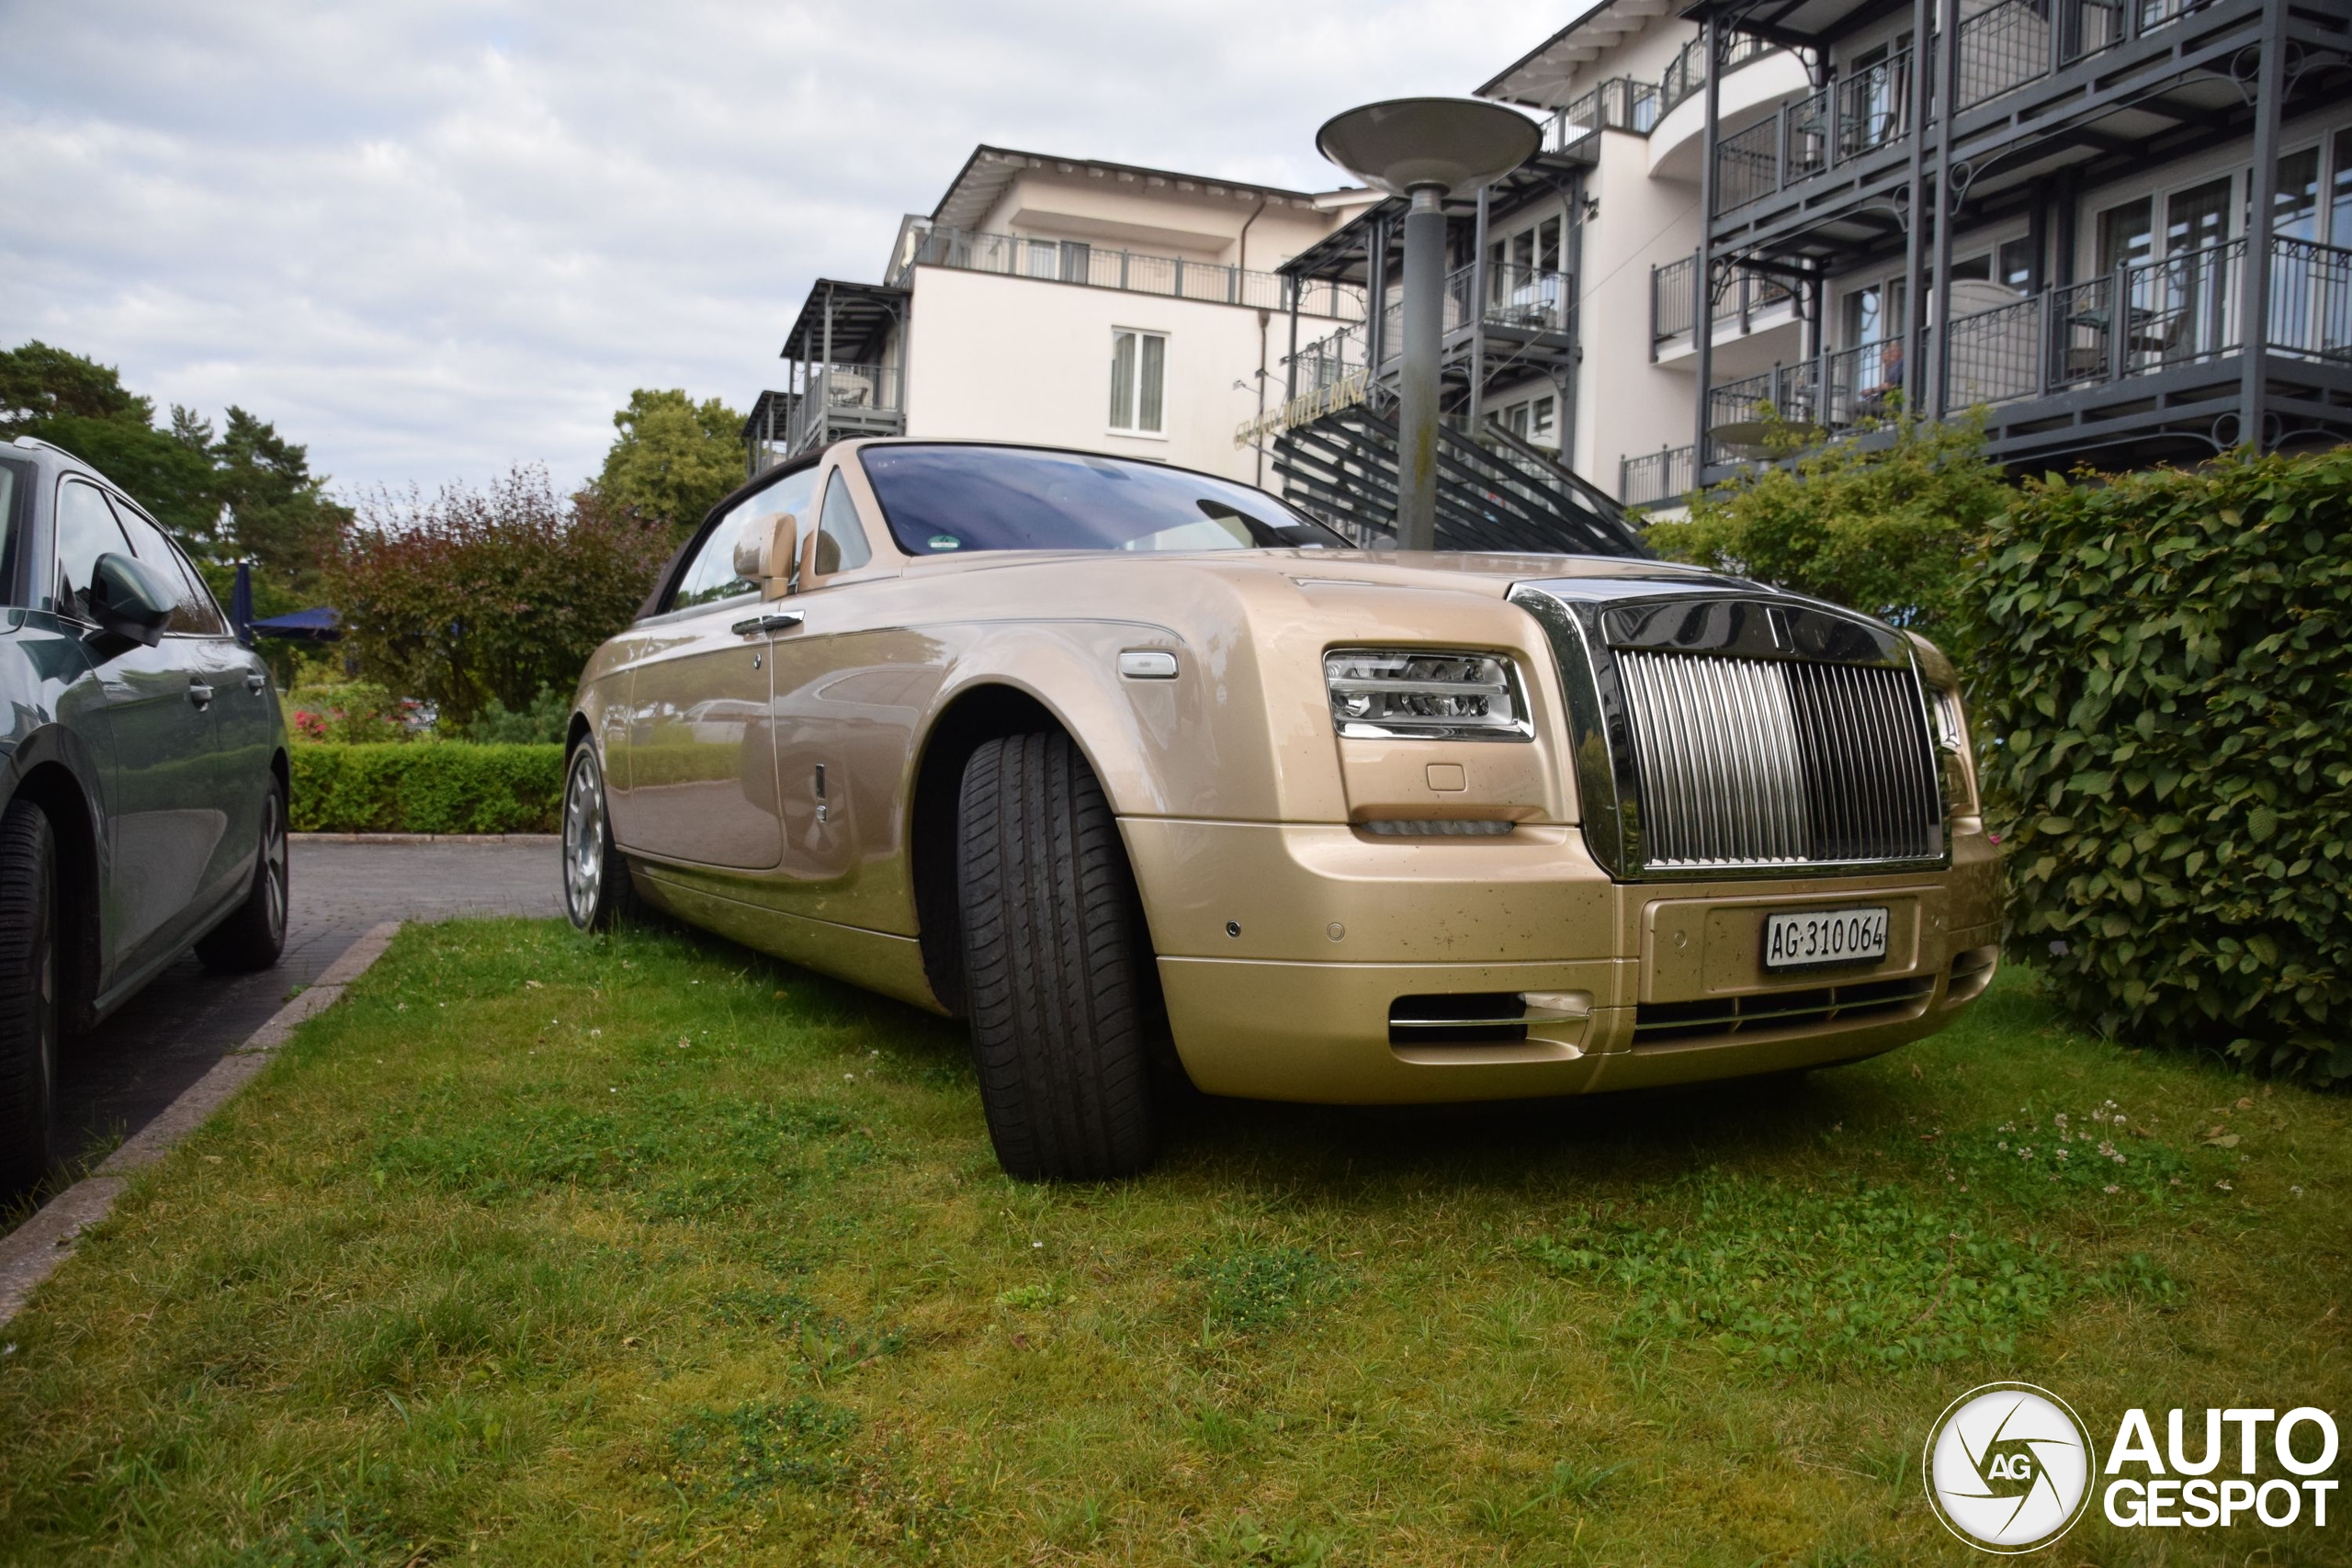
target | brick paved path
[{"x": 170, "y": 1033}]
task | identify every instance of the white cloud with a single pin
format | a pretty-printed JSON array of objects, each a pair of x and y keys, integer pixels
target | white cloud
[{"x": 433, "y": 239}]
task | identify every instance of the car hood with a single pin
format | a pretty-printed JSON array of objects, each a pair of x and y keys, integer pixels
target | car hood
[{"x": 1448, "y": 571}]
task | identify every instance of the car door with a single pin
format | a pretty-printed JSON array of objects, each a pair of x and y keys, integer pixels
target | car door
[
  {"x": 235, "y": 772},
  {"x": 850, "y": 691},
  {"x": 165, "y": 827},
  {"x": 697, "y": 782}
]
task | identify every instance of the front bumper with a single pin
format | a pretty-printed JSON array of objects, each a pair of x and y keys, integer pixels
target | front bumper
[{"x": 1284, "y": 951}]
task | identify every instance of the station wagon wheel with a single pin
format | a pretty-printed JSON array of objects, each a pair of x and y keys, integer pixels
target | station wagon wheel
[
  {"x": 1054, "y": 950},
  {"x": 254, "y": 936},
  {"x": 29, "y": 995},
  {"x": 597, "y": 893}
]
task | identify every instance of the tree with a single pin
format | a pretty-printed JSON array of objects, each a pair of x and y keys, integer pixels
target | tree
[
  {"x": 83, "y": 407},
  {"x": 248, "y": 491},
  {"x": 673, "y": 458},
  {"x": 274, "y": 510},
  {"x": 1887, "y": 527},
  {"x": 477, "y": 596}
]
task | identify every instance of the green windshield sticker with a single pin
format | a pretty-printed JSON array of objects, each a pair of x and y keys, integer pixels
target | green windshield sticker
[{"x": 945, "y": 542}]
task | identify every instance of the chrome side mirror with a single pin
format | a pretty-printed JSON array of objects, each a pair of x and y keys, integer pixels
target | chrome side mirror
[{"x": 767, "y": 552}]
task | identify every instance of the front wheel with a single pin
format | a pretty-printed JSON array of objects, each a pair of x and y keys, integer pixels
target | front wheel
[
  {"x": 254, "y": 936},
  {"x": 1055, "y": 958},
  {"x": 597, "y": 893},
  {"x": 28, "y": 995}
]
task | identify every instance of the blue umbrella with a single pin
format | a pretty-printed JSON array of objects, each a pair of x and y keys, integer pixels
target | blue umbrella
[{"x": 240, "y": 603}]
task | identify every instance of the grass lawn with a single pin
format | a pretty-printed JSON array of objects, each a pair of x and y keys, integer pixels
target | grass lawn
[{"x": 545, "y": 1250}]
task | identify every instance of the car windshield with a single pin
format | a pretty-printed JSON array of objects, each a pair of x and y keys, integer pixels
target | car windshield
[{"x": 945, "y": 498}]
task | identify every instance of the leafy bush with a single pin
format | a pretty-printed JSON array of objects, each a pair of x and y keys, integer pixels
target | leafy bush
[
  {"x": 1884, "y": 526},
  {"x": 2165, "y": 676},
  {"x": 446, "y": 786},
  {"x": 478, "y": 596},
  {"x": 355, "y": 713},
  {"x": 540, "y": 723}
]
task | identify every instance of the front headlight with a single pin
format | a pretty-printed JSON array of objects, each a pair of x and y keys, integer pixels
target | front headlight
[
  {"x": 1952, "y": 754},
  {"x": 1425, "y": 695}
]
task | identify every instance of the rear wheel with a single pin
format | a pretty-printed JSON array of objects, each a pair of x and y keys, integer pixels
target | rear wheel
[
  {"x": 597, "y": 893},
  {"x": 28, "y": 995},
  {"x": 1056, "y": 964},
  {"x": 254, "y": 936}
]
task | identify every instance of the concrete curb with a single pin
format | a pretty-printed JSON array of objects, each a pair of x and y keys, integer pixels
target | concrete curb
[
  {"x": 425, "y": 838},
  {"x": 33, "y": 1251}
]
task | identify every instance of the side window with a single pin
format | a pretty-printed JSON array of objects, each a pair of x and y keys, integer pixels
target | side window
[
  {"x": 85, "y": 530},
  {"x": 840, "y": 544},
  {"x": 196, "y": 613},
  {"x": 710, "y": 575}
]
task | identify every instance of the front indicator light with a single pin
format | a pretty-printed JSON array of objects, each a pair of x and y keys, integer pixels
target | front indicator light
[{"x": 1425, "y": 695}]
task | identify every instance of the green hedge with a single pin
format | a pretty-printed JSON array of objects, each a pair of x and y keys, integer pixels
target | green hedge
[
  {"x": 2164, "y": 682},
  {"x": 429, "y": 786}
]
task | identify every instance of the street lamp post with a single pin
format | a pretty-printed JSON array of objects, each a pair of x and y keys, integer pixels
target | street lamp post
[{"x": 1425, "y": 150}]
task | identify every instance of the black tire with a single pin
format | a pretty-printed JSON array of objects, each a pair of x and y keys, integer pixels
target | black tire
[
  {"x": 255, "y": 937},
  {"x": 30, "y": 975},
  {"x": 597, "y": 892},
  {"x": 1056, "y": 964}
]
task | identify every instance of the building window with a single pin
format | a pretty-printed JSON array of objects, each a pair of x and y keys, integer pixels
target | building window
[{"x": 1138, "y": 380}]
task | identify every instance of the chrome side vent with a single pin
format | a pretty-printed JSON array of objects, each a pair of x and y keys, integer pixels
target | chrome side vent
[{"x": 1774, "y": 762}]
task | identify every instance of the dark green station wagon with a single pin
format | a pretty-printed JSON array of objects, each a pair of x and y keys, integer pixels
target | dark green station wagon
[{"x": 142, "y": 777}]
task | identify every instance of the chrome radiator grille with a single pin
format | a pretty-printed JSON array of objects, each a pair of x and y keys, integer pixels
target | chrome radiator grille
[{"x": 1756, "y": 762}]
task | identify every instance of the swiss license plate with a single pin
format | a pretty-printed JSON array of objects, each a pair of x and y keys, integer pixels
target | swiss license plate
[{"x": 1824, "y": 936}]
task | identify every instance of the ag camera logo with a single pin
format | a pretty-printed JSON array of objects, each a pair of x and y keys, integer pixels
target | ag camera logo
[{"x": 2008, "y": 1467}]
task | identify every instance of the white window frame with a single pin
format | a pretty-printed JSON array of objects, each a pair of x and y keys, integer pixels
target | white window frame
[{"x": 1136, "y": 429}]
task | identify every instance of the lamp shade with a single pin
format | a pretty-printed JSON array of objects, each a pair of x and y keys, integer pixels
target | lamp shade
[{"x": 1459, "y": 144}]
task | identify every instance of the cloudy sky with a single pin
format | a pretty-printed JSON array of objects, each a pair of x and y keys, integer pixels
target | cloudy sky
[{"x": 432, "y": 239}]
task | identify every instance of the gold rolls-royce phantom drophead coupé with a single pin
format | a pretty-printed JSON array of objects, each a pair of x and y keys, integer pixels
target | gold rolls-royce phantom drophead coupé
[{"x": 1138, "y": 769}]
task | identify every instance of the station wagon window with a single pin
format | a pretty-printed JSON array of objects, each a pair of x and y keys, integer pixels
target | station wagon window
[
  {"x": 942, "y": 499},
  {"x": 195, "y": 615},
  {"x": 1138, "y": 380},
  {"x": 85, "y": 530},
  {"x": 710, "y": 575},
  {"x": 840, "y": 543},
  {"x": 9, "y": 490}
]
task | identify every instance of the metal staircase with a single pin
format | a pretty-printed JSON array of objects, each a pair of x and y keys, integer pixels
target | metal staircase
[{"x": 1497, "y": 493}]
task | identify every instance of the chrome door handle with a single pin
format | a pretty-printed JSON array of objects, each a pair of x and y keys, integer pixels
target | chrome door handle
[
  {"x": 256, "y": 683},
  {"x": 760, "y": 626},
  {"x": 198, "y": 693}
]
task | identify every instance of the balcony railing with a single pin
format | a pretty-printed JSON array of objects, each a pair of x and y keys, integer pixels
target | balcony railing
[
  {"x": 2002, "y": 48},
  {"x": 846, "y": 400},
  {"x": 2136, "y": 321},
  {"x": 1099, "y": 266},
  {"x": 1674, "y": 301},
  {"x": 1626, "y": 103},
  {"x": 1654, "y": 477},
  {"x": 1686, "y": 75},
  {"x": 1531, "y": 299}
]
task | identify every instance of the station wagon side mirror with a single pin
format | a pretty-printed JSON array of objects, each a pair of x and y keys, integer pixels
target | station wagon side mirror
[
  {"x": 767, "y": 553},
  {"x": 130, "y": 599}
]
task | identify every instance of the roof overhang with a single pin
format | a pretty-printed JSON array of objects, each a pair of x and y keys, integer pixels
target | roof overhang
[
  {"x": 1792, "y": 24},
  {"x": 990, "y": 170},
  {"x": 863, "y": 316},
  {"x": 1540, "y": 78}
]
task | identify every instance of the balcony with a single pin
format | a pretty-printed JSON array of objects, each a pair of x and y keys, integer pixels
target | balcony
[
  {"x": 839, "y": 403},
  {"x": 1099, "y": 266},
  {"x": 2082, "y": 59},
  {"x": 2146, "y": 348},
  {"x": 1626, "y": 103},
  {"x": 1655, "y": 479},
  {"x": 1754, "y": 301}
]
